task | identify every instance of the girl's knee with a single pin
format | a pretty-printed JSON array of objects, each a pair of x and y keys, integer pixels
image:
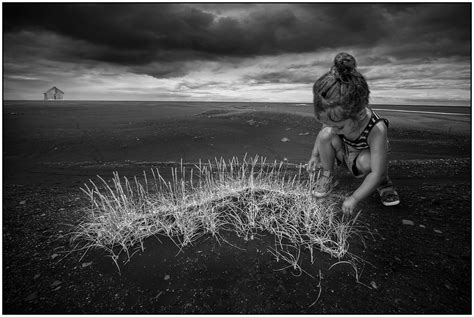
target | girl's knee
[
  {"x": 325, "y": 135},
  {"x": 363, "y": 162}
]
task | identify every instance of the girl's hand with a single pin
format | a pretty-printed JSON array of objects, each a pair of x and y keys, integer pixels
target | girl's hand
[
  {"x": 349, "y": 205},
  {"x": 315, "y": 160},
  {"x": 313, "y": 163}
]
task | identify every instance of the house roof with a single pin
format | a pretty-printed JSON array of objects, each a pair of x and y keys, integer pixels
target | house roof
[{"x": 54, "y": 88}]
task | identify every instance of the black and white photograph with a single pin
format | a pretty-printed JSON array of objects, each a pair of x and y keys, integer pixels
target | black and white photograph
[{"x": 237, "y": 158}]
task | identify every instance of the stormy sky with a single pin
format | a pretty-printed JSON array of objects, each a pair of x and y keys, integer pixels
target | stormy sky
[{"x": 266, "y": 52}]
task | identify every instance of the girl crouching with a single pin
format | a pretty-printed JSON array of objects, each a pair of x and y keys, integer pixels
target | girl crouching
[{"x": 351, "y": 133}]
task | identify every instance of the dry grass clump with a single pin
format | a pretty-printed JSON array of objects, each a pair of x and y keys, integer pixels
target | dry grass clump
[{"x": 249, "y": 197}]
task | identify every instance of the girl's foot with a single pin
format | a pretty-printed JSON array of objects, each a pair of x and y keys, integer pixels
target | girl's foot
[
  {"x": 389, "y": 196},
  {"x": 324, "y": 184}
]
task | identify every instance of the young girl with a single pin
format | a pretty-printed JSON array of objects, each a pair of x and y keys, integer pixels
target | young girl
[{"x": 352, "y": 133}]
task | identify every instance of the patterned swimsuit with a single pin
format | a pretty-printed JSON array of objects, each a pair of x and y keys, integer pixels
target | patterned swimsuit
[{"x": 353, "y": 148}]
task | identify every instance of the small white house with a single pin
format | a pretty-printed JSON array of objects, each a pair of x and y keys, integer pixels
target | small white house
[{"x": 53, "y": 94}]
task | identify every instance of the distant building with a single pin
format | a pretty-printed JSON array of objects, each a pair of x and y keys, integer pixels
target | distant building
[{"x": 53, "y": 94}]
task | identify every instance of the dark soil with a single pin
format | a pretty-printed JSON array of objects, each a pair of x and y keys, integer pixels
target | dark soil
[{"x": 413, "y": 259}]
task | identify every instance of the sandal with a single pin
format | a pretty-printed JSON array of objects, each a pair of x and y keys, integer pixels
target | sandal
[
  {"x": 389, "y": 196},
  {"x": 324, "y": 184}
]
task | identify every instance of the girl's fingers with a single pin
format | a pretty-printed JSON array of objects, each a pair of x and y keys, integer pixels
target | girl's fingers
[{"x": 346, "y": 210}]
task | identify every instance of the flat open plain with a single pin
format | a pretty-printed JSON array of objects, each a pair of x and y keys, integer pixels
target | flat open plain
[{"x": 50, "y": 149}]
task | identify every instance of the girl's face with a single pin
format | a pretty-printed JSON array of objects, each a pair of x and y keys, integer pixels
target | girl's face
[{"x": 340, "y": 127}]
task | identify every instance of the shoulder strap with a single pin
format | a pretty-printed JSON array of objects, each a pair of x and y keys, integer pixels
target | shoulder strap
[
  {"x": 372, "y": 122},
  {"x": 377, "y": 118},
  {"x": 365, "y": 133}
]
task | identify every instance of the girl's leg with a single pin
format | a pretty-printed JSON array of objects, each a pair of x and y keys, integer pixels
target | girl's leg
[
  {"x": 387, "y": 192},
  {"x": 362, "y": 163},
  {"x": 330, "y": 147},
  {"x": 363, "y": 166}
]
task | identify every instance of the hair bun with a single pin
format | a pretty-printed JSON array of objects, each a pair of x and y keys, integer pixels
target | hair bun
[{"x": 344, "y": 63}]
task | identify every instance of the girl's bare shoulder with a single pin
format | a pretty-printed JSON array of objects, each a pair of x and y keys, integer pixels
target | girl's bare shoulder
[
  {"x": 380, "y": 126},
  {"x": 379, "y": 131}
]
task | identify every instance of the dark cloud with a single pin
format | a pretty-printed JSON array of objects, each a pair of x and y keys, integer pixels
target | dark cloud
[
  {"x": 280, "y": 77},
  {"x": 116, "y": 25},
  {"x": 267, "y": 28},
  {"x": 158, "y": 38},
  {"x": 117, "y": 33},
  {"x": 162, "y": 70}
]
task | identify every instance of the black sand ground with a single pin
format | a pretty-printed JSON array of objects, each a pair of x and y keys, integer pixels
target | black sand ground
[{"x": 50, "y": 150}]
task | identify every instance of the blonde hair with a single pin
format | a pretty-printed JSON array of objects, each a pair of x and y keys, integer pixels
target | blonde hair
[{"x": 342, "y": 92}]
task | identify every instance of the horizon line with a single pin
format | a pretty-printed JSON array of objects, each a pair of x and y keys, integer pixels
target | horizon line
[{"x": 263, "y": 102}]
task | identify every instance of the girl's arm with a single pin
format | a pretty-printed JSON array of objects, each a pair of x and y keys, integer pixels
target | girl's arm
[
  {"x": 378, "y": 165},
  {"x": 314, "y": 160}
]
